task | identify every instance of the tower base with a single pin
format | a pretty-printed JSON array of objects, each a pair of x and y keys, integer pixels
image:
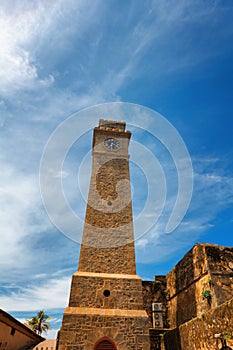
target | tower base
[
  {"x": 123, "y": 329},
  {"x": 105, "y": 312}
]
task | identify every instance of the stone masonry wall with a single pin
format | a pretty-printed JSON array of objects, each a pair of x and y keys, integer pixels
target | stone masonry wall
[
  {"x": 118, "y": 259},
  {"x": 87, "y": 290},
  {"x": 184, "y": 284},
  {"x": 204, "y": 332},
  {"x": 108, "y": 239},
  {"x": 155, "y": 292},
  {"x": 129, "y": 333},
  {"x": 106, "y": 294},
  {"x": 220, "y": 263},
  {"x": 203, "y": 279}
]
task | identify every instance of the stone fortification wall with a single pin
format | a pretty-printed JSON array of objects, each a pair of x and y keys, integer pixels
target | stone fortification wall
[
  {"x": 204, "y": 332},
  {"x": 220, "y": 263},
  {"x": 201, "y": 281}
]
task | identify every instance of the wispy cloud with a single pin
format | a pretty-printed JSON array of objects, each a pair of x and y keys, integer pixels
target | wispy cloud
[
  {"x": 26, "y": 231},
  {"x": 59, "y": 57},
  {"x": 213, "y": 193},
  {"x": 30, "y": 31},
  {"x": 18, "y": 64},
  {"x": 26, "y": 30},
  {"x": 51, "y": 294},
  {"x": 21, "y": 215}
]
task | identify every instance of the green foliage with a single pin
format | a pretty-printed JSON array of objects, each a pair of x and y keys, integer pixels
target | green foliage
[
  {"x": 162, "y": 334},
  {"x": 39, "y": 323},
  {"x": 157, "y": 282},
  {"x": 227, "y": 336},
  {"x": 206, "y": 294}
]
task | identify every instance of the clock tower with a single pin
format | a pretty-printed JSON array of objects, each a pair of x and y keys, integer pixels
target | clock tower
[{"x": 105, "y": 309}]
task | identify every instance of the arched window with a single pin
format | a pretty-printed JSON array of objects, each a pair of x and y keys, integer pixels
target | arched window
[{"x": 105, "y": 344}]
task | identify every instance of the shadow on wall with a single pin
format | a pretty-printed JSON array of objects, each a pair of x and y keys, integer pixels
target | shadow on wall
[
  {"x": 175, "y": 344},
  {"x": 184, "y": 276}
]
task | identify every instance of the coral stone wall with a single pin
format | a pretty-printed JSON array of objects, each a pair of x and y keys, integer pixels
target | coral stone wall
[
  {"x": 203, "y": 333},
  {"x": 183, "y": 286},
  {"x": 220, "y": 263},
  {"x": 129, "y": 333},
  {"x": 118, "y": 259},
  {"x": 201, "y": 281},
  {"x": 108, "y": 238},
  {"x": 125, "y": 292}
]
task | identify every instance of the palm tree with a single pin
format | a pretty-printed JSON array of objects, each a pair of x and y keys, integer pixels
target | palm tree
[{"x": 39, "y": 323}]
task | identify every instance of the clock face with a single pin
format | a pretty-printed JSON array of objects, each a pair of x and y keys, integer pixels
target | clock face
[{"x": 111, "y": 144}]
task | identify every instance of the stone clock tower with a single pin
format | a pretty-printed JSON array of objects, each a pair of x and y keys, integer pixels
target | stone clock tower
[{"x": 105, "y": 309}]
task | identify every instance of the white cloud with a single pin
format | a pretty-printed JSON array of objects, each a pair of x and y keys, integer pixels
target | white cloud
[
  {"x": 213, "y": 192},
  {"x": 34, "y": 35},
  {"x": 142, "y": 243},
  {"x": 51, "y": 334},
  {"x": 20, "y": 206},
  {"x": 17, "y": 61},
  {"x": 29, "y": 32},
  {"x": 51, "y": 294}
]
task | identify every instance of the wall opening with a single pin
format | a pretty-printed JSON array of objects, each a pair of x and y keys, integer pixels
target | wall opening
[
  {"x": 106, "y": 293},
  {"x": 105, "y": 344}
]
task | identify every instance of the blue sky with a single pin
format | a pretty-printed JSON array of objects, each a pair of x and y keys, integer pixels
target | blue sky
[{"x": 58, "y": 57}]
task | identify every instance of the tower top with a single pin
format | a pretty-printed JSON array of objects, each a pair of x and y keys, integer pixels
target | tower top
[
  {"x": 112, "y": 129},
  {"x": 111, "y": 125}
]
